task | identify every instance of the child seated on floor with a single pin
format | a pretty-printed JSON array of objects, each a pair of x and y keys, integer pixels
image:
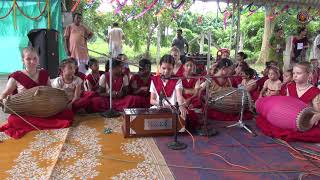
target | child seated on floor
[
  {"x": 191, "y": 86},
  {"x": 92, "y": 79},
  {"x": 287, "y": 79},
  {"x": 125, "y": 65},
  {"x": 171, "y": 89},
  {"x": 238, "y": 73},
  {"x": 272, "y": 86},
  {"x": 140, "y": 82},
  {"x": 249, "y": 83},
  {"x": 315, "y": 72},
  {"x": 72, "y": 84}
]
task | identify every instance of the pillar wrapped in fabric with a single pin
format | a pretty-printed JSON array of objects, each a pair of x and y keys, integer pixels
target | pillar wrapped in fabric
[
  {"x": 286, "y": 112},
  {"x": 46, "y": 42}
]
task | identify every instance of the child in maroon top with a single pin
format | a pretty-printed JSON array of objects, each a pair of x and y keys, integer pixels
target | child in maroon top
[
  {"x": 92, "y": 79},
  {"x": 287, "y": 79},
  {"x": 140, "y": 83}
]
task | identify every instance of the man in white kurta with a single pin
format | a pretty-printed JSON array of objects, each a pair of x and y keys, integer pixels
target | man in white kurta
[
  {"x": 115, "y": 38},
  {"x": 316, "y": 47}
]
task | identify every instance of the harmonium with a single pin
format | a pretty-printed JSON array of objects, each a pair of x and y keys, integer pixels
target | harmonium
[
  {"x": 142, "y": 122},
  {"x": 200, "y": 61}
]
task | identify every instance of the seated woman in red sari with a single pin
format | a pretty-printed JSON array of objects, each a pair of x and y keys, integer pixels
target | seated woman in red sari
[
  {"x": 79, "y": 101},
  {"x": 120, "y": 97},
  {"x": 92, "y": 79},
  {"x": 140, "y": 83},
  {"x": 178, "y": 66},
  {"x": 190, "y": 92},
  {"x": 306, "y": 92},
  {"x": 223, "y": 68},
  {"x": 18, "y": 82}
]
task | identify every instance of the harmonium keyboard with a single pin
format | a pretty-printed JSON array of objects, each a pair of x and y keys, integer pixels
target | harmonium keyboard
[{"x": 142, "y": 122}]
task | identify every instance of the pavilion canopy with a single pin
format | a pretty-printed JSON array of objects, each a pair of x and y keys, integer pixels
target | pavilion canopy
[{"x": 296, "y": 3}]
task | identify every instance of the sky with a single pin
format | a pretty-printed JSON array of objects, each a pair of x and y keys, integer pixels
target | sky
[{"x": 199, "y": 6}]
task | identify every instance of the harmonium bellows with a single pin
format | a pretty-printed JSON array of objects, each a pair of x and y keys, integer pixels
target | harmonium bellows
[{"x": 141, "y": 122}]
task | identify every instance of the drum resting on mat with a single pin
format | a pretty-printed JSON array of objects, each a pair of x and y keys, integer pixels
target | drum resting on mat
[
  {"x": 40, "y": 101},
  {"x": 286, "y": 112},
  {"x": 229, "y": 101}
]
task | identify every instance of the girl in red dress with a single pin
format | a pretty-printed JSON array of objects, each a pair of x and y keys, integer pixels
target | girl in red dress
[
  {"x": 306, "y": 92},
  {"x": 178, "y": 66},
  {"x": 125, "y": 69},
  {"x": 249, "y": 83},
  {"x": 170, "y": 88},
  {"x": 190, "y": 92},
  {"x": 92, "y": 79},
  {"x": 287, "y": 79},
  {"x": 20, "y": 81},
  {"x": 140, "y": 82}
]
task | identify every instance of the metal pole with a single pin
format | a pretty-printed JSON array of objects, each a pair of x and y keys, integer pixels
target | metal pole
[
  {"x": 232, "y": 25},
  {"x": 238, "y": 29},
  {"x": 110, "y": 84}
]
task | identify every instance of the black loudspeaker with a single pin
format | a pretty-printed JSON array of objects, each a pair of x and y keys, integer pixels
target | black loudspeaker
[{"x": 46, "y": 42}]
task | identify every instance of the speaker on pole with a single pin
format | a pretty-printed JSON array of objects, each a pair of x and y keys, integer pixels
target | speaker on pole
[{"x": 46, "y": 42}]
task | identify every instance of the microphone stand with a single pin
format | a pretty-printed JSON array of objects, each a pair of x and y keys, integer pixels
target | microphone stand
[
  {"x": 204, "y": 130},
  {"x": 175, "y": 145},
  {"x": 240, "y": 123},
  {"x": 110, "y": 113}
]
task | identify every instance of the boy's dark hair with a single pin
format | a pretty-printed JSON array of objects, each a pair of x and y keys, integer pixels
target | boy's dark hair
[
  {"x": 223, "y": 63},
  {"x": 301, "y": 29},
  {"x": 290, "y": 71},
  {"x": 243, "y": 55},
  {"x": 179, "y": 30},
  {"x": 76, "y": 14},
  {"x": 115, "y": 63},
  {"x": 167, "y": 59},
  {"x": 249, "y": 72},
  {"x": 268, "y": 64},
  {"x": 91, "y": 62},
  {"x": 115, "y": 24},
  {"x": 143, "y": 63},
  {"x": 278, "y": 29},
  {"x": 66, "y": 61}
]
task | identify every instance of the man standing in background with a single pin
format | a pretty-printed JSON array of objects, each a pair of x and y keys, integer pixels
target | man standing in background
[
  {"x": 76, "y": 36},
  {"x": 180, "y": 43},
  {"x": 115, "y": 37},
  {"x": 316, "y": 47}
]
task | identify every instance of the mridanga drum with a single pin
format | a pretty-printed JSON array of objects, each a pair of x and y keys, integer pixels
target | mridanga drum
[
  {"x": 286, "y": 112},
  {"x": 40, "y": 101},
  {"x": 229, "y": 101}
]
